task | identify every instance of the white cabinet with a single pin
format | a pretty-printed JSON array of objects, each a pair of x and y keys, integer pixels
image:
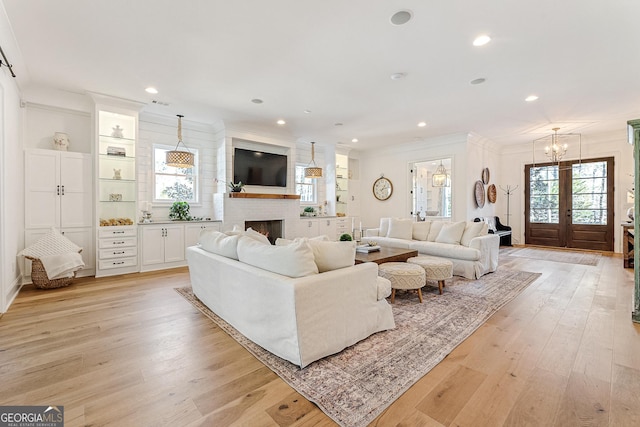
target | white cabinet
[
  {"x": 307, "y": 228},
  {"x": 343, "y": 226},
  {"x": 192, "y": 231},
  {"x": 116, "y": 190},
  {"x": 162, "y": 246},
  {"x": 327, "y": 227},
  {"x": 58, "y": 193}
]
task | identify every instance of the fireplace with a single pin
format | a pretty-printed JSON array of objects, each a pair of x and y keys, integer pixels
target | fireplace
[{"x": 271, "y": 228}]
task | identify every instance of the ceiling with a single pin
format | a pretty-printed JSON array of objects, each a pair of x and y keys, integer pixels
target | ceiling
[{"x": 209, "y": 58}]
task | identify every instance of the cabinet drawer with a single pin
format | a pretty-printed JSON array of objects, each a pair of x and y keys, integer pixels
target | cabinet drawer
[
  {"x": 118, "y": 253},
  {"x": 117, "y": 232},
  {"x": 118, "y": 263},
  {"x": 117, "y": 243}
]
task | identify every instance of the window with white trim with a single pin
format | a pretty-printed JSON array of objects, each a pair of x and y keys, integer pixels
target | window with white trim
[
  {"x": 305, "y": 187},
  {"x": 172, "y": 184}
]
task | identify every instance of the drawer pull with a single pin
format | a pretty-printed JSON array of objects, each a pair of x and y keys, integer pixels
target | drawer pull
[
  {"x": 118, "y": 263},
  {"x": 118, "y": 252},
  {"x": 118, "y": 232},
  {"x": 119, "y": 243}
]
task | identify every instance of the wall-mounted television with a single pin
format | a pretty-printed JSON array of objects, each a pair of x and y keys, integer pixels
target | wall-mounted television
[{"x": 259, "y": 168}]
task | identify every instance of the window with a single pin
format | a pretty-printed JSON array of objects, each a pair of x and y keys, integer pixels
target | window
[
  {"x": 544, "y": 194},
  {"x": 173, "y": 184},
  {"x": 305, "y": 187}
]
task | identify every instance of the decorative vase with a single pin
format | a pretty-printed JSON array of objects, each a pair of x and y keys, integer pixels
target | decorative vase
[
  {"x": 61, "y": 141},
  {"x": 117, "y": 132}
]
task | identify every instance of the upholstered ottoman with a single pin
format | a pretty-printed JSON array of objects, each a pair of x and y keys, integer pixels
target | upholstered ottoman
[
  {"x": 403, "y": 276},
  {"x": 435, "y": 268}
]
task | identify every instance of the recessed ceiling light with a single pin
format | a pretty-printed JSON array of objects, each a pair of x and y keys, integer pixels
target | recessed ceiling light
[
  {"x": 354, "y": 140},
  {"x": 257, "y": 101},
  {"x": 398, "y": 76},
  {"x": 151, "y": 90},
  {"x": 481, "y": 40},
  {"x": 478, "y": 81},
  {"x": 307, "y": 111},
  {"x": 531, "y": 98},
  {"x": 337, "y": 124},
  {"x": 281, "y": 122},
  {"x": 422, "y": 124},
  {"x": 401, "y": 17}
]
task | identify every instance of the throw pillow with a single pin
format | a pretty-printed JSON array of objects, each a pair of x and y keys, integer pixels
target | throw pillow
[
  {"x": 294, "y": 260},
  {"x": 400, "y": 228},
  {"x": 257, "y": 236},
  {"x": 471, "y": 230},
  {"x": 332, "y": 255},
  {"x": 421, "y": 230},
  {"x": 384, "y": 227},
  {"x": 485, "y": 229},
  {"x": 219, "y": 243},
  {"x": 451, "y": 233},
  {"x": 434, "y": 230},
  {"x": 52, "y": 243}
]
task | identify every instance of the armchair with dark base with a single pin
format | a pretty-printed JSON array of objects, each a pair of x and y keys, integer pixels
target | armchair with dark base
[{"x": 496, "y": 227}]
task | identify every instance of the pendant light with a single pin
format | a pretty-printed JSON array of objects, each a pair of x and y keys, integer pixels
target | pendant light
[
  {"x": 180, "y": 158},
  {"x": 312, "y": 170},
  {"x": 440, "y": 177}
]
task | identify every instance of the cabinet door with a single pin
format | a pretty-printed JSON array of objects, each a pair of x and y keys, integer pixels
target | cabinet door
[
  {"x": 75, "y": 189},
  {"x": 42, "y": 202},
  {"x": 83, "y": 237},
  {"x": 173, "y": 243},
  {"x": 327, "y": 227},
  {"x": 152, "y": 245},
  {"x": 192, "y": 232},
  {"x": 308, "y": 228}
]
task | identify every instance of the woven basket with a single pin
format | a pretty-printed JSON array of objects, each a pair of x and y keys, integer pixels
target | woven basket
[{"x": 41, "y": 281}]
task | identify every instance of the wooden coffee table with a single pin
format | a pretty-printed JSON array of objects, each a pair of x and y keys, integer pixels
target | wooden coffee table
[{"x": 386, "y": 255}]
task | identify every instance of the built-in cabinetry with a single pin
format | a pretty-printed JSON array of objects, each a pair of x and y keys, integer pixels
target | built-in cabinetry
[
  {"x": 162, "y": 245},
  {"x": 318, "y": 226},
  {"x": 116, "y": 190},
  {"x": 342, "y": 184},
  {"x": 58, "y": 193}
]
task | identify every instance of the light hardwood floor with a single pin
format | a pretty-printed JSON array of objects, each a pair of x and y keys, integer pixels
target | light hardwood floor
[{"x": 129, "y": 351}]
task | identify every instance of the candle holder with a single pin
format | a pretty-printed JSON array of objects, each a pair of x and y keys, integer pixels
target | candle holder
[{"x": 357, "y": 235}]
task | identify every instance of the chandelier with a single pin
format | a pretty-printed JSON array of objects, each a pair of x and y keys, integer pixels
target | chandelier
[
  {"x": 440, "y": 177},
  {"x": 555, "y": 151},
  {"x": 180, "y": 158},
  {"x": 312, "y": 170}
]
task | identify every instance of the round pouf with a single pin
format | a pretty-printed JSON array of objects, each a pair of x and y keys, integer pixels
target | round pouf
[
  {"x": 435, "y": 268},
  {"x": 402, "y": 276}
]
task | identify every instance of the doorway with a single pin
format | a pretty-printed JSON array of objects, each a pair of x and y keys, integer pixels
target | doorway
[{"x": 570, "y": 204}]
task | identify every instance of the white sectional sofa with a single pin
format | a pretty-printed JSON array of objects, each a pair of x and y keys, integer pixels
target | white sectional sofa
[
  {"x": 466, "y": 244},
  {"x": 302, "y": 301}
]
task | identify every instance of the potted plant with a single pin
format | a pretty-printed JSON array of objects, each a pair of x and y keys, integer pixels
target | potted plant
[
  {"x": 346, "y": 237},
  {"x": 236, "y": 187},
  {"x": 309, "y": 211},
  {"x": 179, "y": 211}
]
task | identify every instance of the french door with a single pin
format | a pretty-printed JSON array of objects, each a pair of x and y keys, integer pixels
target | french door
[{"x": 570, "y": 204}]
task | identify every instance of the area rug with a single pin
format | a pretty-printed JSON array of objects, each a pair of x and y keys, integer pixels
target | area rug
[
  {"x": 570, "y": 257},
  {"x": 354, "y": 386}
]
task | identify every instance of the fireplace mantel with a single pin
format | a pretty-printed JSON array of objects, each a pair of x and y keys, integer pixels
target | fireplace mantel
[{"x": 240, "y": 195}]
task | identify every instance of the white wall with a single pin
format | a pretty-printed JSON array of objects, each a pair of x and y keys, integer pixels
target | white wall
[
  {"x": 469, "y": 154},
  {"x": 11, "y": 188},
  {"x": 42, "y": 121},
  {"x": 514, "y": 159}
]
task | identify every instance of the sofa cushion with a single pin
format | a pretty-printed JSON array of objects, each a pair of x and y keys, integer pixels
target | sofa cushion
[
  {"x": 471, "y": 230},
  {"x": 332, "y": 255},
  {"x": 446, "y": 250},
  {"x": 219, "y": 243},
  {"x": 400, "y": 228},
  {"x": 294, "y": 260},
  {"x": 451, "y": 233},
  {"x": 421, "y": 230},
  {"x": 384, "y": 227},
  {"x": 434, "y": 230},
  {"x": 390, "y": 242},
  {"x": 257, "y": 236}
]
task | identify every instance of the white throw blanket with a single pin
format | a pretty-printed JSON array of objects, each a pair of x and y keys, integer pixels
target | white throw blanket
[{"x": 62, "y": 265}]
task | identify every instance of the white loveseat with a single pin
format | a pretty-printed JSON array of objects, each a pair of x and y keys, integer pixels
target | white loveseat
[
  {"x": 466, "y": 244},
  {"x": 294, "y": 311}
]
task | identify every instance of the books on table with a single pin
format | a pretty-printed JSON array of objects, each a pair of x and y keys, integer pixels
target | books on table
[{"x": 366, "y": 248}]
